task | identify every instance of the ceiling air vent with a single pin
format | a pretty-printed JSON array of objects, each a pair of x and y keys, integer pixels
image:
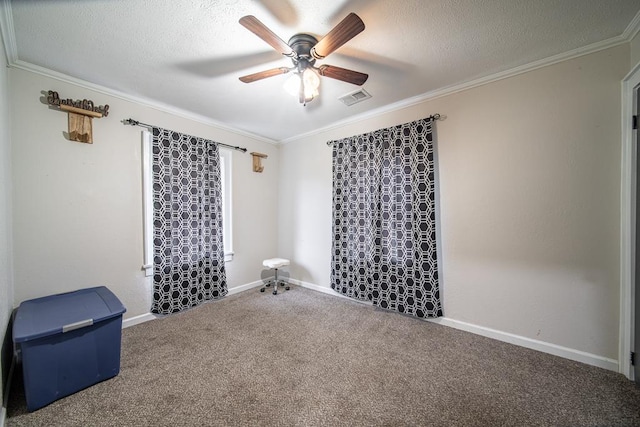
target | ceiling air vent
[{"x": 355, "y": 97}]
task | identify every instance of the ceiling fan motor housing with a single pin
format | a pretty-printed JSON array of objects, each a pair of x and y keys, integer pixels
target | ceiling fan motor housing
[{"x": 301, "y": 44}]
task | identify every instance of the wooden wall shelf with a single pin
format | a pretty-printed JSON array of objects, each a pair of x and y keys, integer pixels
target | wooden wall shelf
[
  {"x": 257, "y": 164},
  {"x": 80, "y": 113}
]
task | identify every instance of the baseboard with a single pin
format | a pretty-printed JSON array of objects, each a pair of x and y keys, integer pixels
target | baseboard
[
  {"x": 242, "y": 288},
  {"x": 10, "y": 359},
  {"x": 316, "y": 288},
  {"x": 136, "y": 320},
  {"x": 324, "y": 290},
  {"x": 545, "y": 347},
  {"x": 7, "y": 389}
]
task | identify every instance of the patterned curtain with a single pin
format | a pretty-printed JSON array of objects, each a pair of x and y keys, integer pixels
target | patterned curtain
[
  {"x": 384, "y": 223},
  {"x": 188, "y": 253}
]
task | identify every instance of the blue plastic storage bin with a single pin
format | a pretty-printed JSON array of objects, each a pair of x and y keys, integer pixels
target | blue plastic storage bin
[{"x": 67, "y": 342}]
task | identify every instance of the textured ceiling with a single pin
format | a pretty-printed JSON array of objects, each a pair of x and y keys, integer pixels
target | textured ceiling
[{"x": 189, "y": 54}]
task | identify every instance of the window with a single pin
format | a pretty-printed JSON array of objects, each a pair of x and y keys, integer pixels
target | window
[
  {"x": 225, "y": 173},
  {"x": 147, "y": 204},
  {"x": 147, "y": 201}
]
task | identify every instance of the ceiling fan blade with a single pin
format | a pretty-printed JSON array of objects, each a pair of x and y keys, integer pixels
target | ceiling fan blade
[
  {"x": 347, "y": 29},
  {"x": 264, "y": 74},
  {"x": 252, "y": 24},
  {"x": 343, "y": 74},
  {"x": 219, "y": 66}
]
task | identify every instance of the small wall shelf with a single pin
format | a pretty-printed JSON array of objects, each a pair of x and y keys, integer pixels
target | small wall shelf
[
  {"x": 257, "y": 164},
  {"x": 80, "y": 115}
]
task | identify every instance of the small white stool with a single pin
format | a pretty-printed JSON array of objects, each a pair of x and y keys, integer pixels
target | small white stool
[{"x": 275, "y": 263}]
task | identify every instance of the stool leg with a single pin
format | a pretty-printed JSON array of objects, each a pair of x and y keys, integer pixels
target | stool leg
[{"x": 275, "y": 284}]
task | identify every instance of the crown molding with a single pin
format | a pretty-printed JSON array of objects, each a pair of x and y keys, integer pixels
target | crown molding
[
  {"x": 11, "y": 50},
  {"x": 8, "y": 34},
  {"x": 450, "y": 90},
  {"x": 632, "y": 29},
  {"x": 151, "y": 103}
]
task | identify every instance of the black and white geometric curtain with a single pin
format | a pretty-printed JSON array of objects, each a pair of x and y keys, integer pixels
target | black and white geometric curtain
[
  {"x": 384, "y": 219},
  {"x": 188, "y": 250}
]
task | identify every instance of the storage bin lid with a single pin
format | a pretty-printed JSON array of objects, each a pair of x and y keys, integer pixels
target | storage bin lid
[{"x": 41, "y": 317}]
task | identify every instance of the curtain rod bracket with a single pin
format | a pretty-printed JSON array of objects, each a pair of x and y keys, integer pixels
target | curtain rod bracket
[{"x": 131, "y": 122}]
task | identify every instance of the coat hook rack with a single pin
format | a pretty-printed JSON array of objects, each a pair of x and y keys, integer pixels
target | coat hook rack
[
  {"x": 80, "y": 114},
  {"x": 257, "y": 165}
]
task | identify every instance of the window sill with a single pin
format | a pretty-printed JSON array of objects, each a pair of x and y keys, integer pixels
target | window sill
[{"x": 148, "y": 270}]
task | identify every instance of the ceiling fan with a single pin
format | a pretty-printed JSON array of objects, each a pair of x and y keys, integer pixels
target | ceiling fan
[{"x": 304, "y": 50}]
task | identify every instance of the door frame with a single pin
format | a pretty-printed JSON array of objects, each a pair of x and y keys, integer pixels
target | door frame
[{"x": 627, "y": 224}]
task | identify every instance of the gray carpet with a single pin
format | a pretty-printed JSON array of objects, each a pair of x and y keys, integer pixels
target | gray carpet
[{"x": 304, "y": 358}]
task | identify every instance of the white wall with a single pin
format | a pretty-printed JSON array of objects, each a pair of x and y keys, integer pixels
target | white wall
[
  {"x": 530, "y": 188},
  {"x": 6, "y": 278},
  {"x": 78, "y": 207}
]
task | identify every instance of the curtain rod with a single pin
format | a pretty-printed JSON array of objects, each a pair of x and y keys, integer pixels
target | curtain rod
[
  {"x": 432, "y": 117},
  {"x": 144, "y": 125}
]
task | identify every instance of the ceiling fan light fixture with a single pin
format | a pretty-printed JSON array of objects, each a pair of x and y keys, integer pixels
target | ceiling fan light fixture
[
  {"x": 311, "y": 82},
  {"x": 303, "y": 85}
]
